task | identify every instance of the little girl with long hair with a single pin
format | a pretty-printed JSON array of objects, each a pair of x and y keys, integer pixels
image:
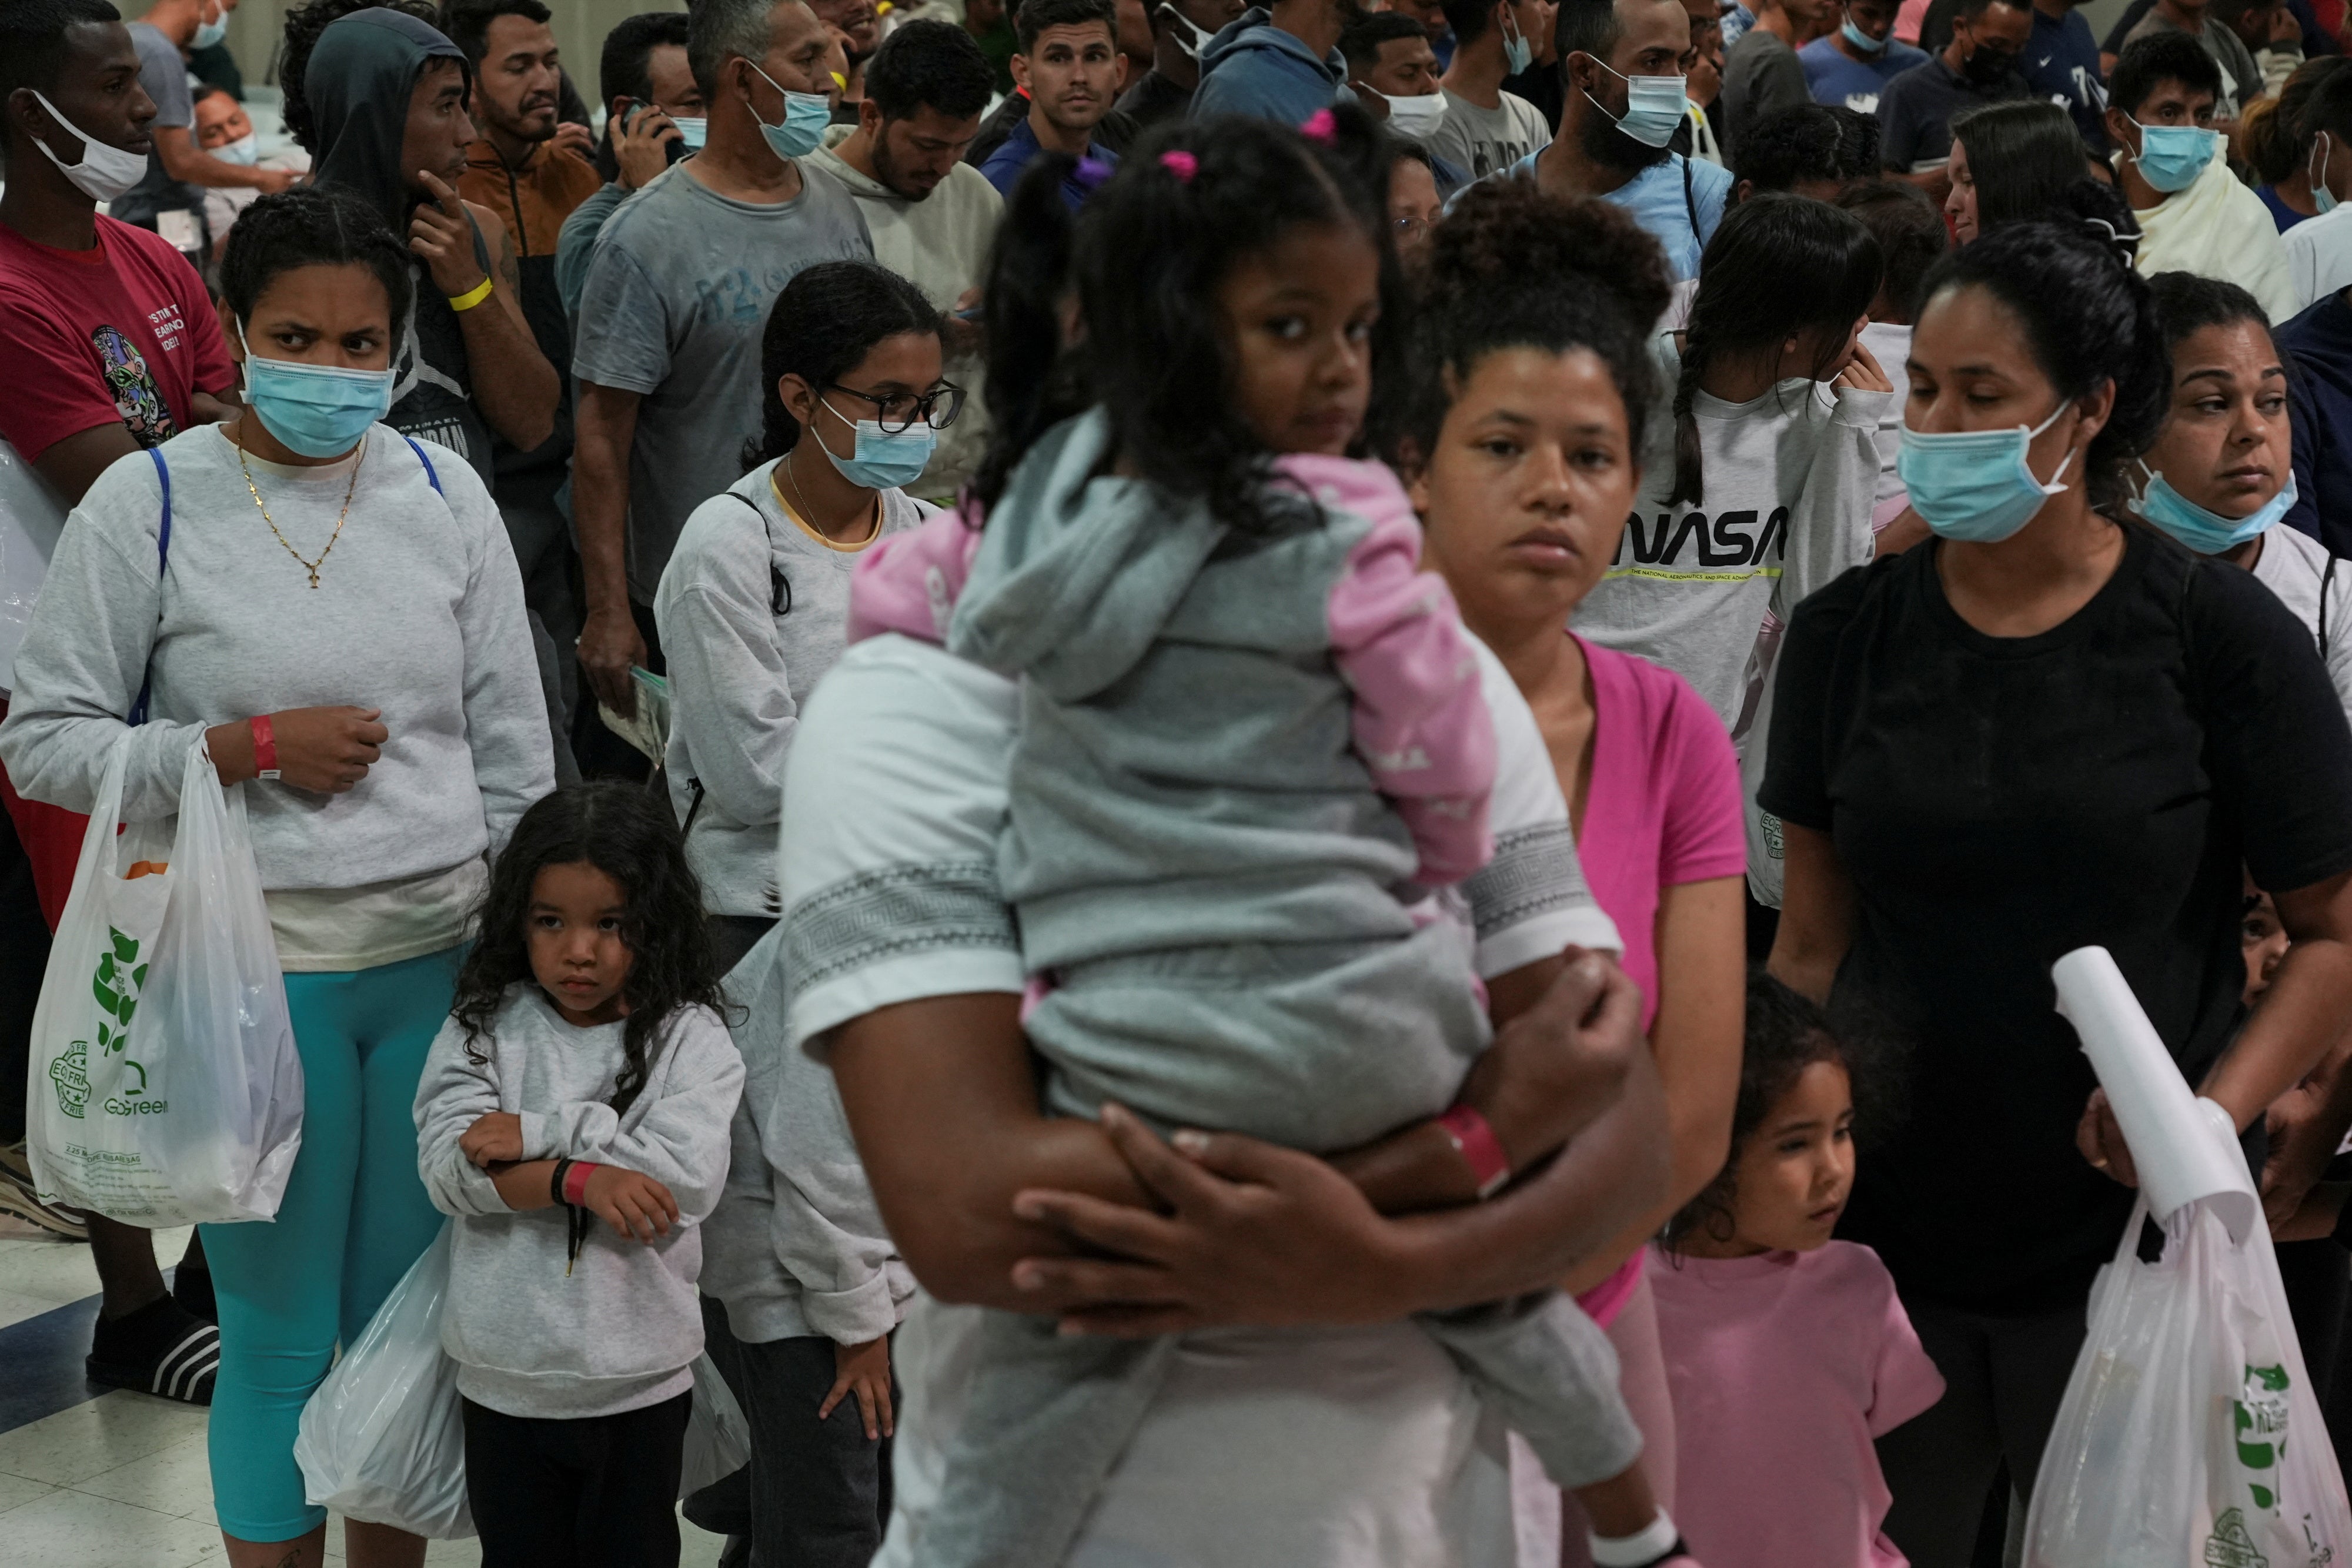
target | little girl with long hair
[
  {"x": 1788, "y": 1353},
  {"x": 1253, "y": 736},
  {"x": 573, "y": 1119}
]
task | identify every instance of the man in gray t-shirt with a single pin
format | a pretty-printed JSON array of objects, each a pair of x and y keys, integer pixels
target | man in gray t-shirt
[
  {"x": 166, "y": 199},
  {"x": 671, "y": 316}
]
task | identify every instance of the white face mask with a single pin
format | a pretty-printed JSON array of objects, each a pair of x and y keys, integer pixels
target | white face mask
[
  {"x": 104, "y": 172},
  {"x": 1414, "y": 119},
  {"x": 245, "y": 149},
  {"x": 1191, "y": 37}
]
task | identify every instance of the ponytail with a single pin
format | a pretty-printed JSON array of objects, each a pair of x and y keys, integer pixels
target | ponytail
[
  {"x": 1031, "y": 388},
  {"x": 1689, "y": 482}
]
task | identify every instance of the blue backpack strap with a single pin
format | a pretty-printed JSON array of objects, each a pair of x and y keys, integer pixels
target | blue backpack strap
[
  {"x": 162, "y": 563},
  {"x": 431, "y": 477}
]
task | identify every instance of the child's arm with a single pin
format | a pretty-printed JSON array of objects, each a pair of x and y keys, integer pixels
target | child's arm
[
  {"x": 825, "y": 1225},
  {"x": 453, "y": 1094},
  {"x": 680, "y": 1140},
  {"x": 1420, "y": 721}
]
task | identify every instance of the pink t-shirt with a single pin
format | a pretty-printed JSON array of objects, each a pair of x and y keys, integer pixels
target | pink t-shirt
[
  {"x": 1663, "y": 809},
  {"x": 1783, "y": 1368}
]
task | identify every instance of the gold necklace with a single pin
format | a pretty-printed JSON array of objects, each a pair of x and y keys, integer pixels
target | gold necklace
[
  {"x": 807, "y": 513},
  {"x": 309, "y": 566}
]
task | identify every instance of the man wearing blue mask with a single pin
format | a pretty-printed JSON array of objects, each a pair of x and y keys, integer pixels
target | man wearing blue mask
[
  {"x": 1279, "y": 62},
  {"x": 667, "y": 353},
  {"x": 1978, "y": 66},
  {"x": 110, "y": 346},
  {"x": 170, "y": 198},
  {"x": 1761, "y": 72},
  {"x": 654, "y": 116},
  {"x": 1623, "y": 65},
  {"x": 1485, "y": 127},
  {"x": 1852, "y": 66},
  {"x": 2194, "y": 214}
]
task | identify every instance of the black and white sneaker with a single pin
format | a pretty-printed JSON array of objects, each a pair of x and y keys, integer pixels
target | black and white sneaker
[
  {"x": 161, "y": 1349},
  {"x": 17, "y": 1198}
]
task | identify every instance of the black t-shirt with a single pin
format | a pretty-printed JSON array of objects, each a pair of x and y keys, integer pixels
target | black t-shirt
[
  {"x": 2000, "y": 802},
  {"x": 1917, "y": 110}
]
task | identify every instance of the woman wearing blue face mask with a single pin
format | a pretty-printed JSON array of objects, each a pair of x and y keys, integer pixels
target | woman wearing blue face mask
[
  {"x": 2046, "y": 727},
  {"x": 333, "y": 612},
  {"x": 753, "y": 605}
]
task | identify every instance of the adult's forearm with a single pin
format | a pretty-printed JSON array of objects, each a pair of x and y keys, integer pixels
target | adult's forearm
[
  {"x": 606, "y": 426},
  {"x": 1542, "y": 1232},
  {"x": 2299, "y": 1029},
  {"x": 513, "y": 384}
]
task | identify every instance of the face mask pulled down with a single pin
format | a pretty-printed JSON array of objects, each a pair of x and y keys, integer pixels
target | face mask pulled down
[{"x": 104, "y": 172}]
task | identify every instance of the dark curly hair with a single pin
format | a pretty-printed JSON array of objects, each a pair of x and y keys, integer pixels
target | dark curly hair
[
  {"x": 1745, "y": 304},
  {"x": 826, "y": 321},
  {"x": 1144, "y": 260},
  {"x": 2088, "y": 319},
  {"x": 312, "y": 225},
  {"x": 631, "y": 837},
  {"x": 1785, "y": 1034},
  {"x": 303, "y": 26},
  {"x": 1511, "y": 268}
]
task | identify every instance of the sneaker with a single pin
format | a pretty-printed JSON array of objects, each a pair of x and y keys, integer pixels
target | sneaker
[
  {"x": 19, "y": 1197},
  {"x": 161, "y": 1349}
]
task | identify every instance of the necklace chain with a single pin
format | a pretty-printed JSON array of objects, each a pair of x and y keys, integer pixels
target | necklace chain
[{"x": 309, "y": 566}]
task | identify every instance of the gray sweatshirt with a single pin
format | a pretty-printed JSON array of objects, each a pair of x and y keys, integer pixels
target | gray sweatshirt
[
  {"x": 622, "y": 1328},
  {"x": 739, "y": 669},
  {"x": 418, "y": 611},
  {"x": 796, "y": 1246}
]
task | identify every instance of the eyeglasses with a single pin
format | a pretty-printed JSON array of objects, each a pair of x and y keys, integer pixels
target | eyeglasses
[
  {"x": 937, "y": 408},
  {"x": 1408, "y": 229}
]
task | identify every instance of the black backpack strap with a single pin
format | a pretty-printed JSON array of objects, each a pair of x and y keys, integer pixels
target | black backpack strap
[
  {"x": 2326, "y": 585},
  {"x": 780, "y": 591},
  {"x": 162, "y": 563}
]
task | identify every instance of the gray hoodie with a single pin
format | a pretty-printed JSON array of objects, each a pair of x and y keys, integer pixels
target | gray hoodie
[
  {"x": 535, "y": 1333},
  {"x": 1254, "y": 68},
  {"x": 796, "y": 1246}
]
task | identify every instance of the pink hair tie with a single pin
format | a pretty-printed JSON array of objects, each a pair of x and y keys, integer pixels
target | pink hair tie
[
  {"x": 1183, "y": 165},
  {"x": 1320, "y": 125}
]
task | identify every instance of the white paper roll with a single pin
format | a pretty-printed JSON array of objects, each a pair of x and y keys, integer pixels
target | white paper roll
[{"x": 2185, "y": 1148}]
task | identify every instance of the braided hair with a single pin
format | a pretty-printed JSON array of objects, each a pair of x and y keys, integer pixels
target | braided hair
[{"x": 312, "y": 225}]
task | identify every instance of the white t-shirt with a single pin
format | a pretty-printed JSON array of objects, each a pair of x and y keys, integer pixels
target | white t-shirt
[
  {"x": 2318, "y": 257},
  {"x": 1482, "y": 142},
  {"x": 2318, "y": 589}
]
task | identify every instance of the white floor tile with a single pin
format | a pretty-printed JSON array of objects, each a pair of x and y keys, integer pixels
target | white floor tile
[
  {"x": 16, "y": 1309},
  {"x": 176, "y": 1481},
  {"x": 91, "y": 1439},
  {"x": 16, "y": 1492},
  {"x": 53, "y": 1271},
  {"x": 74, "y": 1530}
]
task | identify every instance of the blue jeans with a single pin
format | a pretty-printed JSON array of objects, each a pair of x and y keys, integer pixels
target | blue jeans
[{"x": 355, "y": 1218}]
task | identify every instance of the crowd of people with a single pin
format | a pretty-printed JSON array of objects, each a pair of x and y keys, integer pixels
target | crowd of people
[{"x": 1270, "y": 787}]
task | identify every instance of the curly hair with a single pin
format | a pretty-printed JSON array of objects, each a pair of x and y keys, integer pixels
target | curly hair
[
  {"x": 303, "y": 26},
  {"x": 1512, "y": 267},
  {"x": 1145, "y": 260},
  {"x": 631, "y": 837},
  {"x": 1785, "y": 1034},
  {"x": 312, "y": 225},
  {"x": 2088, "y": 321}
]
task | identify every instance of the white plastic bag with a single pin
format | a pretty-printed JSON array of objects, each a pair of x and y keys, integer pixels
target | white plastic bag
[
  {"x": 717, "y": 1439},
  {"x": 164, "y": 1087},
  {"x": 2190, "y": 1436},
  {"x": 384, "y": 1439}
]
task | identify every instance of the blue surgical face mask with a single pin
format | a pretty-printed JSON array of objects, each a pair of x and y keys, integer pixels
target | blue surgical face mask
[
  {"x": 2207, "y": 533},
  {"x": 1518, "y": 53},
  {"x": 1655, "y": 106},
  {"x": 692, "y": 131},
  {"x": 246, "y": 150},
  {"x": 885, "y": 460},
  {"x": 1860, "y": 39},
  {"x": 2322, "y": 197},
  {"x": 207, "y": 34},
  {"x": 1975, "y": 485},
  {"x": 319, "y": 411},
  {"x": 806, "y": 114},
  {"x": 2173, "y": 156}
]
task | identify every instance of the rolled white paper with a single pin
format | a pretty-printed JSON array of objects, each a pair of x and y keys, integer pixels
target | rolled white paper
[{"x": 2185, "y": 1148}]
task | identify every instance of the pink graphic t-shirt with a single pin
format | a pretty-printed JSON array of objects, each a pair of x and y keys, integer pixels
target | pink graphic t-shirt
[
  {"x": 1663, "y": 810},
  {"x": 1784, "y": 1368}
]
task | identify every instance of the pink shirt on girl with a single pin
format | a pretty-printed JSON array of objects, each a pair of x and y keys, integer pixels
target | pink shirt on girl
[
  {"x": 1663, "y": 809},
  {"x": 1784, "y": 1368}
]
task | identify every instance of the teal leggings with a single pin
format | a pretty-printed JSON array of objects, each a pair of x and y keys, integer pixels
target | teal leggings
[{"x": 355, "y": 1218}]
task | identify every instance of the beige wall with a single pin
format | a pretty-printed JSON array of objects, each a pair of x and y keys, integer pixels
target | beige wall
[{"x": 579, "y": 29}]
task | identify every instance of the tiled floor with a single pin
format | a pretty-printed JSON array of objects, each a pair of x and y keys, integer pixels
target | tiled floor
[{"x": 120, "y": 1479}]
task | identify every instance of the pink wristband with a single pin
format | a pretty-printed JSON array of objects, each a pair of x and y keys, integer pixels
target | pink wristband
[
  {"x": 264, "y": 746},
  {"x": 575, "y": 1180},
  {"x": 1475, "y": 1142}
]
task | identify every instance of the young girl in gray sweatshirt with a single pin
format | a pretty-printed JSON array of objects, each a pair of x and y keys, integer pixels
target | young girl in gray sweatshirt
[{"x": 573, "y": 1120}]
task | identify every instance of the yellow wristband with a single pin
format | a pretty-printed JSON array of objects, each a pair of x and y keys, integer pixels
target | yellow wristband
[{"x": 471, "y": 297}]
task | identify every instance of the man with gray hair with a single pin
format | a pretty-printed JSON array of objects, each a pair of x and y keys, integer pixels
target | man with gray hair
[{"x": 675, "y": 300}]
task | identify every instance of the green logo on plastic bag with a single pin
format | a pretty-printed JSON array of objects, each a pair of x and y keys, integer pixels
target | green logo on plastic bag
[
  {"x": 71, "y": 1073},
  {"x": 2231, "y": 1547}
]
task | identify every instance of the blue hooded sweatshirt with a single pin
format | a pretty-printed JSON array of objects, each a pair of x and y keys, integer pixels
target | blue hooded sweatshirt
[{"x": 1253, "y": 66}]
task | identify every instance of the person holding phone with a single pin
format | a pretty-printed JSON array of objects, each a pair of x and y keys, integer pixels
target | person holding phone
[{"x": 655, "y": 115}]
